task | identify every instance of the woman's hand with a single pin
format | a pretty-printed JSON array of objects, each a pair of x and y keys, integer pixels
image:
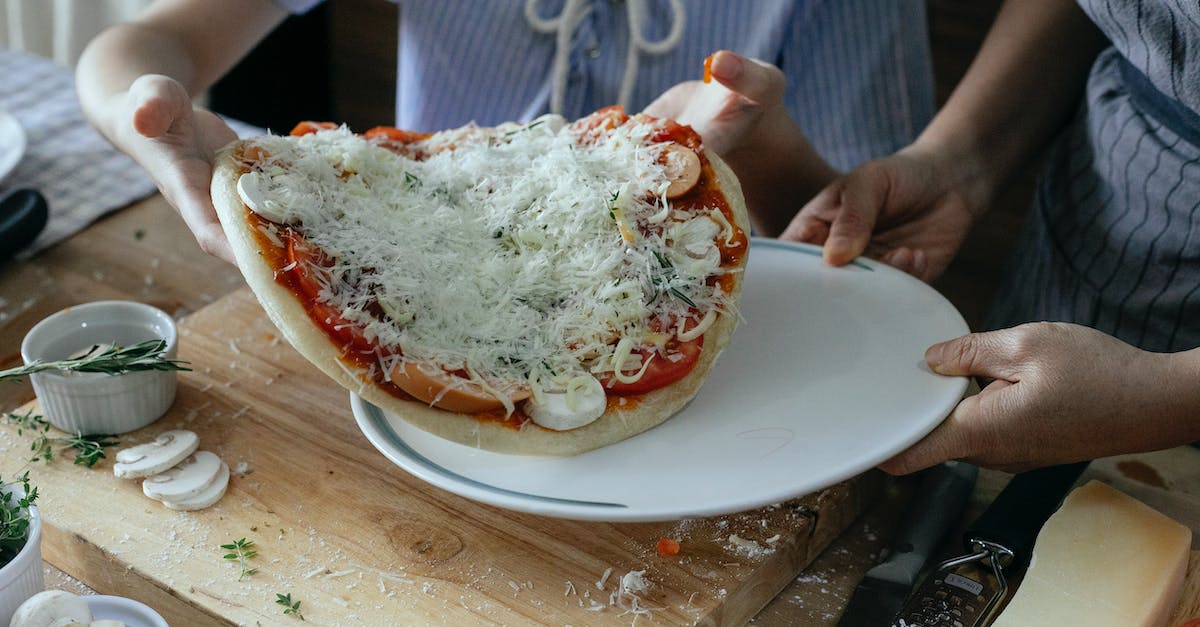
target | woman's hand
[
  {"x": 1061, "y": 393},
  {"x": 156, "y": 123},
  {"x": 908, "y": 210},
  {"x": 726, "y": 110},
  {"x": 740, "y": 115}
]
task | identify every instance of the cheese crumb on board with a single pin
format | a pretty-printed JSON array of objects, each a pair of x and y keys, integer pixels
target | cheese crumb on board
[{"x": 1104, "y": 558}]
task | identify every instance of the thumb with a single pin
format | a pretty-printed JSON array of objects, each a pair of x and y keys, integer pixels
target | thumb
[
  {"x": 158, "y": 103},
  {"x": 863, "y": 194},
  {"x": 811, "y": 223},
  {"x": 756, "y": 81},
  {"x": 988, "y": 354}
]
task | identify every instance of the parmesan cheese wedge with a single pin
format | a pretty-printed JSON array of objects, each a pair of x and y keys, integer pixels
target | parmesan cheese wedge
[{"x": 1104, "y": 558}]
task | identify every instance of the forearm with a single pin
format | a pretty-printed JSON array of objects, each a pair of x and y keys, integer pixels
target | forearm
[
  {"x": 1019, "y": 92},
  {"x": 1178, "y": 419},
  {"x": 779, "y": 171},
  {"x": 113, "y": 60},
  {"x": 191, "y": 41}
]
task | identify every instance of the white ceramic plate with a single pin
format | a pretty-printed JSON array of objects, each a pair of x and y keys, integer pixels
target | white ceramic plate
[
  {"x": 825, "y": 379},
  {"x": 132, "y": 613},
  {"x": 12, "y": 143}
]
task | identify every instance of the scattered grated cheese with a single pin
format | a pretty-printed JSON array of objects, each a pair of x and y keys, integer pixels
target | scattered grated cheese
[
  {"x": 501, "y": 249},
  {"x": 604, "y": 578}
]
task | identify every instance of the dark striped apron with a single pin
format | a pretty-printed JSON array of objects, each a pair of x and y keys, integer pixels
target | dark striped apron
[{"x": 1113, "y": 236}]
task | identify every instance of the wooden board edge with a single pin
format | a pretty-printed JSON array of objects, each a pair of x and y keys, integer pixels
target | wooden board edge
[
  {"x": 834, "y": 509},
  {"x": 103, "y": 572}
]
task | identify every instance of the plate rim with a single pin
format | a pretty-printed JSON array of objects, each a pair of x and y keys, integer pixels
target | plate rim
[{"x": 374, "y": 423}]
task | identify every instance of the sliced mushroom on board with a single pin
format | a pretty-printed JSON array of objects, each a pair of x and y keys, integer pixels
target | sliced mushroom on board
[
  {"x": 184, "y": 480},
  {"x": 167, "y": 450},
  {"x": 209, "y": 496}
]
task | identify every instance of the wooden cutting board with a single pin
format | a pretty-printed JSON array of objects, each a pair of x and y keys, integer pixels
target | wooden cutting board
[{"x": 358, "y": 541}]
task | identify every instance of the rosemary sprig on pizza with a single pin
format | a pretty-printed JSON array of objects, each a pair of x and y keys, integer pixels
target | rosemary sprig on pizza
[{"x": 540, "y": 288}]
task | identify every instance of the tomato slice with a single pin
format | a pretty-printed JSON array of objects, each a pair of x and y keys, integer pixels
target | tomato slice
[
  {"x": 666, "y": 367},
  {"x": 673, "y": 131},
  {"x": 606, "y": 119},
  {"x": 449, "y": 391},
  {"x": 305, "y": 259},
  {"x": 307, "y": 126},
  {"x": 391, "y": 133}
]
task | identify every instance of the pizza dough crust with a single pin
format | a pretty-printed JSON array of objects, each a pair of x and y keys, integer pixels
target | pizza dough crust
[{"x": 293, "y": 321}]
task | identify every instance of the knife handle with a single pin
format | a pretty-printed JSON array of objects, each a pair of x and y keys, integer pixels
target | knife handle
[
  {"x": 23, "y": 214},
  {"x": 1014, "y": 519},
  {"x": 939, "y": 500}
]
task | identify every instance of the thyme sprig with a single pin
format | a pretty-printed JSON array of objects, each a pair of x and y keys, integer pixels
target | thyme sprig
[
  {"x": 669, "y": 273},
  {"x": 146, "y": 355},
  {"x": 89, "y": 449},
  {"x": 289, "y": 608},
  {"x": 14, "y": 516},
  {"x": 241, "y": 551},
  {"x": 27, "y": 421}
]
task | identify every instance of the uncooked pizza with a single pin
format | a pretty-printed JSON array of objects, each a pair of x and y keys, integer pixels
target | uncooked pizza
[{"x": 536, "y": 288}]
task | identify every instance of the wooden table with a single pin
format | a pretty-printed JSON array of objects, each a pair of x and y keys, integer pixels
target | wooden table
[{"x": 145, "y": 253}]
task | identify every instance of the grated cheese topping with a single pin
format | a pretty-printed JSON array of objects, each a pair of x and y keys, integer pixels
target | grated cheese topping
[{"x": 541, "y": 251}]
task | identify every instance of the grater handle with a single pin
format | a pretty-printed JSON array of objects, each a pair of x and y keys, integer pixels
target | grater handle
[{"x": 1014, "y": 519}]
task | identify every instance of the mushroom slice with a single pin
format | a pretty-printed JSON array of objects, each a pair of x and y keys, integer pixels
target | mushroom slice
[
  {"x": 582, "y": 403},
  {"x": 210, "y": 495},
  {"x": 52, "y": 607},
  {"x": 184, "y": 480},
  {"x": 252, "y": 189},
  {"x": 168, "y": 449},
  {"x": 683, "y": 169}
]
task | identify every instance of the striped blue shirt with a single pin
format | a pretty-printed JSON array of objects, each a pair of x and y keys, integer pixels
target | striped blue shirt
[{"x": 859, "y": 74}]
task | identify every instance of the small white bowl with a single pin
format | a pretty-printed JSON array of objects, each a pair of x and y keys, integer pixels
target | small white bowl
[
  {"x": 132, "y": 613},
  {"x": 92, "y": 402},
  {"x": 21, "y": 578}
]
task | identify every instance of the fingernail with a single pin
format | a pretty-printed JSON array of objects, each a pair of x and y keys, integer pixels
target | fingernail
[
  {"x": 839, "y": 250},
  {"x": 935, "y": 355},
  {"x": 920, "y": 264},
  {"x": 726, "y": 66}
]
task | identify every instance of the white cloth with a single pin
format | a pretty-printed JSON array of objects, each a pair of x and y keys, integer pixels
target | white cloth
[{"x": 81, "y": 175}]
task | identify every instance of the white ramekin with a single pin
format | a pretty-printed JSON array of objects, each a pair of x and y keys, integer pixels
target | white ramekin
[
  {"x": 22, "y": 577},
  {"x": 91, "y": 403}
]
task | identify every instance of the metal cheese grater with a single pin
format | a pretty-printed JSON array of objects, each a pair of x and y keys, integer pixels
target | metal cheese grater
[{"x": 967, "y": 591}]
